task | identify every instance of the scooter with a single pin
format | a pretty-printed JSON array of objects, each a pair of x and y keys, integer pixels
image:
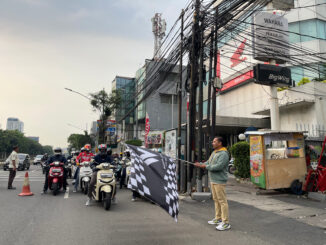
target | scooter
[
  {"x": 85, "y": 174},
  {"x": 231, "y": 167},
  {"x": 69, "y": 171},
  {"x": 105, "y": 188},
  {"x": 55, "y": 178}
]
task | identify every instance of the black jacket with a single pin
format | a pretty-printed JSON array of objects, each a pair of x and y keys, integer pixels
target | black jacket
[
  {"x": 98, "y": 159},
  {"x": 57, "y": 158}
]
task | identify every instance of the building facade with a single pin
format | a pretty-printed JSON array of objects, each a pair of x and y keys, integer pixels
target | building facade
[
  {"x": 161, "y": 105},
  {"x": 15, "y": 124}
]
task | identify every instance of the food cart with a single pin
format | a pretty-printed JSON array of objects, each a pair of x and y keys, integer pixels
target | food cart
[{"x": 276, "y": 158}]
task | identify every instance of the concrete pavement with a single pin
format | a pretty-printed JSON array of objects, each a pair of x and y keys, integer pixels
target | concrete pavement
[{"x": 47, "y": 219}]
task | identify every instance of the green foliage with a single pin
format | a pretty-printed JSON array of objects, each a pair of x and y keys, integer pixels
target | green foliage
[
  {"x": 79, "y": 140},
  {"x": 105, "y": 104},
  {"x": 241, "y": 153},
  {"x": 136, "y": 142},
  {"x": 282, "y": 89},
  {"x": 8, "y": 139},
  {"x": 304, "y": 81}
]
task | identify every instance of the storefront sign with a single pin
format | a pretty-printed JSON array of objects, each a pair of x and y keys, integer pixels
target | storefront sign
[
  {"x": 238, "y": 80},
  {"x": 271, "y": 37},
  {"x": 272, "y": 75}
]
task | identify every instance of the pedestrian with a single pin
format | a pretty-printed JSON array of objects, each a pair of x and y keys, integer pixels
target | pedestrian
[
  {"x": 217, "y": 166},
  {"x": 13, "y": 165}
]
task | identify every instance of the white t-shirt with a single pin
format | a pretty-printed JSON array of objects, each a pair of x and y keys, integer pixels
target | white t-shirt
[{"x": 13, "y": 157}]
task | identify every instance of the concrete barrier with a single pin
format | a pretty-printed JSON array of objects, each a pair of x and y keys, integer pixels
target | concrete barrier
[{"x": 201, "y": 196}]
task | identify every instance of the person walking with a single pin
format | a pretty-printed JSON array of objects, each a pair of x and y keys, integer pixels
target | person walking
[
  {"x": 217, "y": 166},
  {"x": 13, "y": 165}
]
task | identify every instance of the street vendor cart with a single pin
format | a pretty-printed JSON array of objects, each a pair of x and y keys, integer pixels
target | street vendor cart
[{"x": 276, "y": 158}]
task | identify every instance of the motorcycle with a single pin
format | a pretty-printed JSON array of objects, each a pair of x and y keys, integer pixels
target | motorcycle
[
  {"x": 85, "y": 174},
  {"x": 69, "y": 169},
  {"x": 105, "y": 187},
  {"x": 231, "y": 167},
  {"x": 55, "y": 178}
]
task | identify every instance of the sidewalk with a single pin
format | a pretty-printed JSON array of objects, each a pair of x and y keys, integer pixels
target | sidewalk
[{"x": 284, "y": 204}]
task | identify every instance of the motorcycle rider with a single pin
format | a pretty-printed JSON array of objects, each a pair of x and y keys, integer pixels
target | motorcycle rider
[
  {"x": 102, "y": 157},
  {"x": 125, "y": 160},
  {"x": 57, "y": 157},
  {"x": 84, "y": 156}
]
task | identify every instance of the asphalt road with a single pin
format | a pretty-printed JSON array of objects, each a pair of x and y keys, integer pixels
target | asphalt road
[{"x": 64, "y": 219}]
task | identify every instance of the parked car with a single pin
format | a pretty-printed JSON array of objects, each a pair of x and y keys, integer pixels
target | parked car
[
  {"x": 24, "y": 162},
  {"x": 38, "y": 159}
]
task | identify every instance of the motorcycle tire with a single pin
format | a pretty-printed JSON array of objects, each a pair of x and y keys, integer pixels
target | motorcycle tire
[
  {"x": 231, "y": 169},
  {"x": 85, "y": 188},
  {"x": 107, "y": 201},
  {"x": 55, "y": 189}
]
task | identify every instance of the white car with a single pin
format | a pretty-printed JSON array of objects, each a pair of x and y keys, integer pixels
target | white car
[{"x": 38, "y": 159}]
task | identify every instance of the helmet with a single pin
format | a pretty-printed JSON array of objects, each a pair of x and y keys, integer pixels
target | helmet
[
  {"x": 57, "y": 151},
  {"x": 82, "y": 149},
  {"x": 76, "y": 153},
  {"x": 102, "y": 149},
  {"x": 87, "y": 147},
  {"x": 159, "y": 150}
]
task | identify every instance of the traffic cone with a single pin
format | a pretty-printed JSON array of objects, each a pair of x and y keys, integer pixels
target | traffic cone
[{"x": 26, "y": 189}]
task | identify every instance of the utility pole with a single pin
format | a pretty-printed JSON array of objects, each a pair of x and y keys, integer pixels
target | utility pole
[
  {"x": 200, "y": 107},
  {"x": 215, "y": 73},
  {"x": 209, "y": 96},
  {"x": 181, "y": 165},
  {"x": 192, "y": 98}
]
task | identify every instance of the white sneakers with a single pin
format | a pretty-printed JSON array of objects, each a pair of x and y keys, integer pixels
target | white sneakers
[
  {"x": 223, "y": 226},
  {"x": 88, "y": 202},
  {"x": 214, "y": 222},
  {"x": 220, "y": 226}
]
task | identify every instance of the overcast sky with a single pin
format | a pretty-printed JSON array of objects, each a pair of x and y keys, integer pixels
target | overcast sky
[{"x": 47, "y": 45}]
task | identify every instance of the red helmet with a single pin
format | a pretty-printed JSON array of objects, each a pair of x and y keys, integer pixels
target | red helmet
[{"x": 87, "y": 147}]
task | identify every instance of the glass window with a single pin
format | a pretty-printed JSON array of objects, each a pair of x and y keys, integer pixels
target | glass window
[
  {"x": 321, "y": 32},
  {"x": 297, "y": 73},
  {"x": 294, "y": 27},
  {"x": 309, "y": 28}
]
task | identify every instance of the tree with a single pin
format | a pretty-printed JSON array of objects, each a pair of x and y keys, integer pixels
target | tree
[
  {"x": 9, "y": 138},
  {"x": 241, "y": 153},
  {"x": 105, "y": 104},
  {"x": 304, "y": 81},
  {"x": 136, "y": 142},
  {"x": 79, "y": 140}
]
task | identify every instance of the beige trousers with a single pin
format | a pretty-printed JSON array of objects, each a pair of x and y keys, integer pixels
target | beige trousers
[{"x": 221, "y": 204}]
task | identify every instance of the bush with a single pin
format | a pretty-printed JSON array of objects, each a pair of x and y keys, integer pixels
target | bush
[
  {"x": 241, "y": 153},
  {"x": 136, "y": 142}
]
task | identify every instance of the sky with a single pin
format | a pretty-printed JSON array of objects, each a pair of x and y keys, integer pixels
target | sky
[{"x": 49, "y": 45}]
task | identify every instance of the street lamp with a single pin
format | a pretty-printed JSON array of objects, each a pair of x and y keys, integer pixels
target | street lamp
[{"x": 73, "y": 91}]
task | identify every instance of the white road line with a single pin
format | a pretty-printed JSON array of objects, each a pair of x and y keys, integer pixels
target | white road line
[{"x": 66, "y": 196}]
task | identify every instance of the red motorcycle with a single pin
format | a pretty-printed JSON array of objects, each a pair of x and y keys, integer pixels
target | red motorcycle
[{"x": 55, "y": 178}]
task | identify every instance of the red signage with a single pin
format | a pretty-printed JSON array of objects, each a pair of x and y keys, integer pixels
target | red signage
[
  {"x": 236, "y": 57},
  {"x": 238, "y": 80},
  {"x": 147, "y": 129}
]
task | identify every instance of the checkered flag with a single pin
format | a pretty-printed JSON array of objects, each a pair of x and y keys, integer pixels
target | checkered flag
[{"x": 153, "y": 175}]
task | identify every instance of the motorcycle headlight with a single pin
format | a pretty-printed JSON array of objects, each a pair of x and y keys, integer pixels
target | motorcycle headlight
[{"x": 108, "y": 175}]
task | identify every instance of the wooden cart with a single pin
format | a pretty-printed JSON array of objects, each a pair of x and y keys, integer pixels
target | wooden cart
[{"x": 276, "y": 158}]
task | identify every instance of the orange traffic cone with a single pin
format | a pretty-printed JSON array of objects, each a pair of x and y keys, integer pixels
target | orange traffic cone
[{"x": 26, "y": 189}]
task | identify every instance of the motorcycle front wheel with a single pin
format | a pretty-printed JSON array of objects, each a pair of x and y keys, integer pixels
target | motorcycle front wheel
[
  {"x": 85, "y": 188},
  {"x": 107, "y": 200},
  {"x": 55, "y": 189}
]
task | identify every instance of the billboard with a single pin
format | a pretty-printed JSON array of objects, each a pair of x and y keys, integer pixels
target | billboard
[
  {"x": 270, "y": 37},
  {"x": 170, "y": 148}
]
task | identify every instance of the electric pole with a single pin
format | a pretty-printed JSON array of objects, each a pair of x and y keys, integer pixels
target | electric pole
[
  {"x": 192, "y": 97},
  {"x": 181, "y": 165}
]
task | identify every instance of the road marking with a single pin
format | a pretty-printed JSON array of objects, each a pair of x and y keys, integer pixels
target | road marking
[{"x": 66, "y": 196}]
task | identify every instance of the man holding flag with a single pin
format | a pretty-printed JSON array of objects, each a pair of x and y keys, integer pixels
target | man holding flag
[{"x": 217, "y": 166}]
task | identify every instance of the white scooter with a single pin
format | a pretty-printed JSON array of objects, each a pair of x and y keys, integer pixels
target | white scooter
[
  {"x": 105, "y": 188},
  {"x": 85, "y": 174}
]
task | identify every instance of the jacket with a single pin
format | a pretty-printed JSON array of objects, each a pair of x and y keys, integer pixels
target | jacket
[
  {"x": 217, "y": 166},
  {"x": 84, "y": 157}
]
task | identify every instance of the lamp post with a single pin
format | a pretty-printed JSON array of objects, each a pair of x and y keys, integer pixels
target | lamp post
[{"x": 73, "y": 91}]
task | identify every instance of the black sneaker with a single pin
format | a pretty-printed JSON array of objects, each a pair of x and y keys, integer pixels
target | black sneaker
[{"x": 11, "y": 188}]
